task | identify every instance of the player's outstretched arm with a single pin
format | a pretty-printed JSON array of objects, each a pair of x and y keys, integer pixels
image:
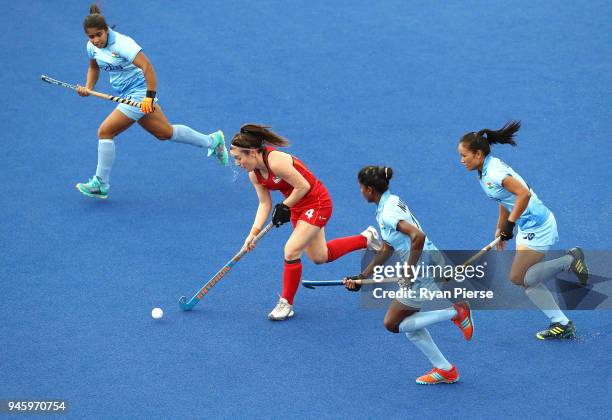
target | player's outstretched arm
[{"x": 263, "y": 211}]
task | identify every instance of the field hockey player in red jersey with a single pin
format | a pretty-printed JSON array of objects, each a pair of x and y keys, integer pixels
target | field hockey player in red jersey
[{"x": 306, "y": 204}]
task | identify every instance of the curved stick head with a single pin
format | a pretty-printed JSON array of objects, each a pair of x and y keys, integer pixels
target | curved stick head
[
  {"x": 185, "y": 306},
  {"x": 308, "y": 286}
]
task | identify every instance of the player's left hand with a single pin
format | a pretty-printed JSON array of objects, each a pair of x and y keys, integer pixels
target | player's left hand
[
  {"x": 147, "y": 106},
  {"x": 281, "y": 214},
  {"x": 507, "y": 231},
  {"x": 249, "y": 245},
  {"x": 501, "y": 244},
  {"x": 351, "y": 284}
]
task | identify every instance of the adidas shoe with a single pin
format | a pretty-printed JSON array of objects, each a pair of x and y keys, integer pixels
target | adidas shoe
[
  {"x": 557, "y": 331},
  {"x": 439, "y": 376},
  {"x": 579, "y": 266},
  {"x": 463, "y": 320},
  {"x": 94, "y": 188},
  {"x": 218, "y": 147}
]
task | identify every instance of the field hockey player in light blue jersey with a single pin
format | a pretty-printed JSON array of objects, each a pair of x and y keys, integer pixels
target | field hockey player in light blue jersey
[
  {"x": 537, "y": 228},
  {"x": 132, "y": 76},
  {"x": 402, "y": 233}
]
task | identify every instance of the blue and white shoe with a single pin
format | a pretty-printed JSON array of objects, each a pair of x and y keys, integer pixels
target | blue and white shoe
[
  {"x": 94, "y": 188},
  {"x": 218, "y": 148}
]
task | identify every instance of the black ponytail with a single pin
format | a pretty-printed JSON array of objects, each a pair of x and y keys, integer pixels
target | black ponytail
[
  {"x": 483, "y": 139},
  {"x": 377, "y": 177}
]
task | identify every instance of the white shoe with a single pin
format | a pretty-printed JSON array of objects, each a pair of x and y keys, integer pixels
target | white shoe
[
  {"x": 281, "y": 311},
  {"x": 374, "y": 242}
]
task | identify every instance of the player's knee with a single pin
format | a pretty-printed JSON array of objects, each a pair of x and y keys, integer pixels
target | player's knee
[
  {"x": 516, "y": 278},
  {"x": 319, "y": 259},
  {"x": 104, "y": 133},
  {"x": 292, "y": 254},
  {"x": 163, "y": 135},
  {"x": 391, "y": 325}
]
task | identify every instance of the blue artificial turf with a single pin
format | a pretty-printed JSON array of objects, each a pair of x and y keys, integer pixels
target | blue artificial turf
[{"x": 350, "y": 83}]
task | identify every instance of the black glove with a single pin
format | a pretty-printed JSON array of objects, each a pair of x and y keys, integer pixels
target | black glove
[
  {"x": 507, "y": 232},
  {"x": 357, "y": 285},
  {"x": 281, "y": 214}
]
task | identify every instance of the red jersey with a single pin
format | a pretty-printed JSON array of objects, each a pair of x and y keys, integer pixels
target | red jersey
[{"x": 316, "y": 196}]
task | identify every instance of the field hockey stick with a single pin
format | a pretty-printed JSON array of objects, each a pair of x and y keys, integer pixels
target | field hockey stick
[
  {"x": 311, "y": 284},
  {"x": 91, "y": 92},
  {"x": 479, "y": 254},
  {"x": 187, "y": 306},
  {"x": 482, "y": 251}
]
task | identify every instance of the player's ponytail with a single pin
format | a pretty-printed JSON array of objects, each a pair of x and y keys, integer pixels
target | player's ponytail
[
  {"x": 95, "y": 19},
  {"x": 256, "y": 136},
  {"x": 377, "y": 177},
  {"x": 483, "y": 139}
]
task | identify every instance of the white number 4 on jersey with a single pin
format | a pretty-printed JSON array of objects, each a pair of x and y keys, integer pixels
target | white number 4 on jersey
[{"x": 309, "y": 213}]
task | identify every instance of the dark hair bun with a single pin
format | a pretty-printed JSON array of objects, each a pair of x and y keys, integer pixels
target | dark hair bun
[
  {"x": 94, "y": 8},
  {"x": 385, "y": 172}
]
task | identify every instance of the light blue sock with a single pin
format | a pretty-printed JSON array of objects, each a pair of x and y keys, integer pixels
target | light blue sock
[
  {"x": 187, "y": 135},
  {"x": 546, "y": 269},
  {"x": 424, "y": 319},
  {"x": 543, "y": 299},
  {"x": 423, "y": 341},
  {"x": 106, "y": 157}
]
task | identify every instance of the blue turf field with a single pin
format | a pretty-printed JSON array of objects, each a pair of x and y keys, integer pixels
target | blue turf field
[{"x": 350, "y": 83}]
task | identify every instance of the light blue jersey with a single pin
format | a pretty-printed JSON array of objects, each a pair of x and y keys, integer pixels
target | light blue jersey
[
  {"x": 494, "y": 171},
  {"x": 391, "y": 209},
  {"x": 118, "y": 59}
]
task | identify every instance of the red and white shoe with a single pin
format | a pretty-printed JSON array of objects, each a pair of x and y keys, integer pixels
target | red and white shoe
[
  {"x": 439, "y": 376},
  {"x": 463, "y": 320}
]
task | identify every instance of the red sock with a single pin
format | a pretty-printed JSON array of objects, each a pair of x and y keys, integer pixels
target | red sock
[
  {"x": 291, "y": 279},
  {"x": 340, "y": 246}
]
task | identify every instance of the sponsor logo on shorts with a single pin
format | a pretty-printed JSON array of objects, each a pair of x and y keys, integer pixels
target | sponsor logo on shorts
[
  {"x": 276, "y": 180},
  {"x": 529, "y": 236}
]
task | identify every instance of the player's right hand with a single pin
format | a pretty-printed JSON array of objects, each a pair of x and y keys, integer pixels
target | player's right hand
[
  {"x": 248, "y": 243},
  {"x": 501, "y": 244},
  {"x": 82, "y": 90},
  {"x": 350, "y": 283}
]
